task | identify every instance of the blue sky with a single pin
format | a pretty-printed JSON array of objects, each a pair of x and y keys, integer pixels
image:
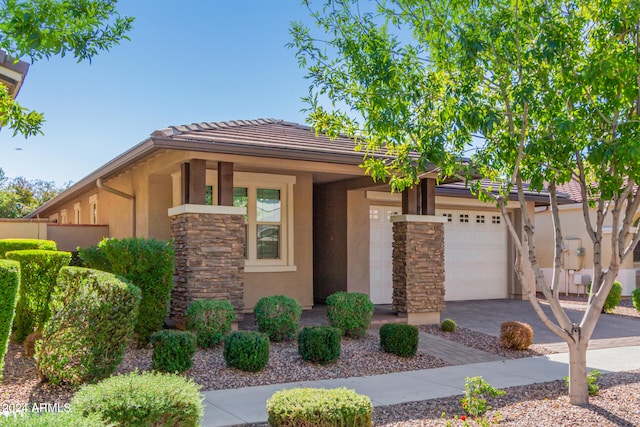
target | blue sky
[{"x": 187, "y": 61}]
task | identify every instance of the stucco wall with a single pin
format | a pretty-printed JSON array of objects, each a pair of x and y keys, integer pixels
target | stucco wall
[
  {"x": 358, "y": 268},
  {"x": 23, "y": 229}
]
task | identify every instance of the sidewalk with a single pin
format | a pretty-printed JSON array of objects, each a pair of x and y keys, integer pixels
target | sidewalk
[{"x": 247, "y": 405}]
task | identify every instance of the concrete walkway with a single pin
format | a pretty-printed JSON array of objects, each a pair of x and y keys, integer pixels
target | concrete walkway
[{"x": 247, "y": 405}]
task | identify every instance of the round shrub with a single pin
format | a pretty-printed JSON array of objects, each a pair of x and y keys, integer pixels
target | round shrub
[
  {"x": 448, "y": 325},
  {"x": 39, "y": 271},
  {"x": 173, "y": 351},
  {"x": 146, "y": 263},
  {"x": 278, "y": 316},
  {"x": 319, "y": 407},
  {"x": 399, "y": 339},
  {"x": 350, "y": 312},
  {"x": 92, "y": 318},
  {"x": 516, "y": 335},
  {"x": 7, "y": 245},
  {"x": 210, "y": 320},
  {"x": 613, "y": 299},
  {"x": 141, "y": 400},
  {"x": 635, "y": 296},
  {"x": 319, "y": 344},
  {"x": 9, "y": 285},
  {"x": 246, "y": 350}
]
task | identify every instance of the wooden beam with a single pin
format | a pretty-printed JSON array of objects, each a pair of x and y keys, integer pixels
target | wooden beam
[
  {"x": 184, "y": 184},
  {"x": 428, "y": 196},
  {"x": 197, "y": 181},
  {"x": 225, "y": 184},
  {"x": 411, "y": 201}
]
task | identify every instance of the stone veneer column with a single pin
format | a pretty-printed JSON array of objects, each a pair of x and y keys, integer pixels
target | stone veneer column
[
  {"x": 418, "y": 267},
  {"x": 209, "y": 248}
]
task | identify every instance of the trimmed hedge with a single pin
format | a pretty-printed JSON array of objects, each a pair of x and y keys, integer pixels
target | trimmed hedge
[
  {"x": 448, "y": 325},
  {"x": 613, "y": 298},
  {"x": 9, "y": 286},
  {"x": 146, "y": 263},
  {"x": 142, "y": 400},
  {"x": 246, "y": 350},
  {"x": 8, "y": 245},
  {"x": 319, "y": 344},
  {"x": 516, "y": 335},
  {"x": 93, "y": 314},
  {"x": 51, "y": 419},
  {"x": 635, "y": 296},
  {"x": 39, "y": 271},
  {"x": 210, "y": 320},
  {"x": 319, "y": 407},
  {"x": 278, "y": 316},
  {"x": 350, "y": 312},
  {"x": 399, "y": 339},
  {"x": 172, "y": 351}
]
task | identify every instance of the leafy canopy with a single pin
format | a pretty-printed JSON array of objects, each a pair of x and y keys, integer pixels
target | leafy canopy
[{"x": 39, "y": 29}]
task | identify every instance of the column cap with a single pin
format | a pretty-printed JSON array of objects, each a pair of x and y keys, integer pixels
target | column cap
[
  {"x": 418, "y": 218},
  {"x": 206, "y": 209}
]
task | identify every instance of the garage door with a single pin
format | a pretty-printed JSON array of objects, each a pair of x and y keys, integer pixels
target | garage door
[{"x": 475, "y": 254}]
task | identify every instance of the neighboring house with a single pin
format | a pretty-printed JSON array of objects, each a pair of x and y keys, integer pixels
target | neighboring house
[
  {"x": 313, "y": 222},
  {"x": 12, "y": 73},
  {"x": 577, "y": 267}
]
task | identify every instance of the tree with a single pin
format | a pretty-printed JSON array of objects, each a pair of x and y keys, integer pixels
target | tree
[
  {"x": 19, "y": 196},
  {"x": 537, "y": 92},
  {"x": 40, "y": 29}
]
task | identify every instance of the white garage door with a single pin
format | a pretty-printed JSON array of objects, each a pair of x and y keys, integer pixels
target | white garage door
[{"x": 475, "y": 254}]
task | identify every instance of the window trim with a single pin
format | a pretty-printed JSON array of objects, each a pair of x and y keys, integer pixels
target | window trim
[
  {"x": 93, "y": 211},
  {"x": 63, "y": 217},
  {"x": 77, "y": 213}
]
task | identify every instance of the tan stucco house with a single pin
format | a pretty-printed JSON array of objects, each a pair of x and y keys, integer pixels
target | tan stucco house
[
  {"x": 577, "y": 259},
  {"x": 288, "y": 212}
]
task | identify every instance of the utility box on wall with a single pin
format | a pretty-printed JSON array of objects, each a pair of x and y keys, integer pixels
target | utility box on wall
[{"x": 573, "y": 254}]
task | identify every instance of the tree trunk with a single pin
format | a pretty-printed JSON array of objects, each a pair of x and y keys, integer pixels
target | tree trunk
[{"x": 578, "y": 386}]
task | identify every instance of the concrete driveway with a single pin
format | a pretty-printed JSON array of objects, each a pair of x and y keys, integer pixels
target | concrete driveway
[{"x": 487, "y": 316}]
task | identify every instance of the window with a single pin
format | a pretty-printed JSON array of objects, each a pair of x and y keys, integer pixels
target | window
[
  {"x": 76, "y": 213},
  {"x": 464, "y": 218},
  {"x": 93, "y": 205},
  {"x": 479, "y": 219},
  {"x": 374, "y": 213},
  {"x": 495, "y": 219},
  {"x": 448, "y": 216},
  {"x": 636, "y": 254},
  {"x": 268, "y": 200}
]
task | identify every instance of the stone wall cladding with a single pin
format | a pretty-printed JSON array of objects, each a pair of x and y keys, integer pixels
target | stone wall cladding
[
  {"x": 418, "y": 267},
  {"x": 209, "y": 260}
]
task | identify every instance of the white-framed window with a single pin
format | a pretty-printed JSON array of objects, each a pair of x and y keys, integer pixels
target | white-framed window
[
  {"x": 268, "y": 199},
  {"x": 77, "y": 213},
  {"x": 63, "y": 217},
  {"x": 93, "y": 206},
  {"x": 495, "y": 219},
  {"x": 464, "y": 218},
  {"x": 479, "y": 219}
]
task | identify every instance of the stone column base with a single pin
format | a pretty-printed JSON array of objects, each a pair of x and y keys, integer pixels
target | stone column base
[{"x": 430, "y": 318}]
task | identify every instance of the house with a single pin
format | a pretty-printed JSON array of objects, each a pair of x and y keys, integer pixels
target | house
[
  {"x": 264, "y": 207},
  {"x": 577, "y": 259}
]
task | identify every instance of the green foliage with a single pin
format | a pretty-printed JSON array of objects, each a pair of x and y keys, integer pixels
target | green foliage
[
  {"x": 246, "y": 350},
  {"x": 7, "y": 245},
  {"x": 476, "y": 392},
  {"x": 399, "y": 339},
  {"x": 319, "y": 407},
  {"x": 92, "y": 319},
  {"x": 39, "y": 271},
  {"x": 141, "y": 400},
  {"x": 448, "y": 325},
  {"x": 613, "y": 297},
  {"x": 592, "y": 382},
  {"x": 39, "y": 29},
  {"x": 9, "y": 285},
  {"x": 635, "y": 296},
  {"x": 210, "y": 320},
  {"x": 516, "y": 335},
  {"x": 350, "y": 312},
  {"x": 19, "y": 196},
  {"x": 278, "y": 316},
  {"x": 173, "y": 351},
  {"x": 319, "y": 344},
  {"x": 51, "y": 419},
  {"x": 148, "y": 264}
]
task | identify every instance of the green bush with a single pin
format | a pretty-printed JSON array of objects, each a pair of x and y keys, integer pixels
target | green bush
[
  {"x": 210, "y": 320},
  {"x": 319, "y": 344},
  {"x": 350, "y": 312},
  {"x": 613, "y": 299},
  {"x": 245, "y": 350},
  {"x": 9, "y": 285},
  {"x": 8, "y": 245},
  {"x": 399, "y": 339},
  {"x": 92, "y": 319},
  {"x": 173, "y": 350},
  {"x": 142, "y": 400},
  {"x": 635, "y": 296},
  {"x": 448, "y": 325},
  {"x": 319, "y": 407},
  {"x": 51, "y": 419},
  {"x": 39, "y": 271},
  {"x": 146, "y": 263},
  {"x": 278, "y": 316}
]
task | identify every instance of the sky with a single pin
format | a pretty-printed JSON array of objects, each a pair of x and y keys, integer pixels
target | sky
[{"x": 188, "y": 61}]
